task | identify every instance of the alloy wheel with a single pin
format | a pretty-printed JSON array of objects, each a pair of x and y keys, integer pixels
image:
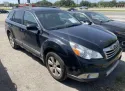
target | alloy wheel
[{"x": 54, "y": 66}]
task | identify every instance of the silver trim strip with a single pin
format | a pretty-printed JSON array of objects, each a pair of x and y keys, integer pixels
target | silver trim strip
[{"x": 111, "y": 69}]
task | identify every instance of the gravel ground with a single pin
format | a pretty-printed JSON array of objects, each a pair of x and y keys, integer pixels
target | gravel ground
[{"x": 21, "y": 71}]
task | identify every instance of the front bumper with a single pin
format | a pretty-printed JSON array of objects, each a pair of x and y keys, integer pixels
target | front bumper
[
  {"x": 99, "y": 72},
  {"x": 121, "y": 39}
]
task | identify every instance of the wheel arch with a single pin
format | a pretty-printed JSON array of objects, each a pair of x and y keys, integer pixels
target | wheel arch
[
  {"x": 10, "y": 31},
  {"x": 53, "y": 46}
]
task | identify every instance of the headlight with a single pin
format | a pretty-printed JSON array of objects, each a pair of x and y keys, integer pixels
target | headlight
[{"x": 84, "y": 52}]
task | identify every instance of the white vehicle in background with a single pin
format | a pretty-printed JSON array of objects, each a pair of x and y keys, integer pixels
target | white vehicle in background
[{"x": 83, "y": 8}]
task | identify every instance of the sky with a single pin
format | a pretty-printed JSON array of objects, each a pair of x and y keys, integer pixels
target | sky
[{"x": 24, "y": 1}]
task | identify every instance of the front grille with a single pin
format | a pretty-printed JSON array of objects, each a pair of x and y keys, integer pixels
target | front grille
[{"x": 112, "y": 50}]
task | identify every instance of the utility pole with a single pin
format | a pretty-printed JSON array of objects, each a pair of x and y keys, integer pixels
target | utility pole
[
  {"x": 28, "y": 1},
  {"x": 77, "y": 3},
  {"x": 18, "y": 1}
]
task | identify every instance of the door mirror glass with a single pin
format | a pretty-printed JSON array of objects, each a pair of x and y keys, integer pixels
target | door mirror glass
[{"x": 31, "y": 27}]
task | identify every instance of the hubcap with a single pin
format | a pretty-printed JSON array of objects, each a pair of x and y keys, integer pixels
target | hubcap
[
  {"x": 11, "y": 40},
  {"x": 54, "y": 66}
]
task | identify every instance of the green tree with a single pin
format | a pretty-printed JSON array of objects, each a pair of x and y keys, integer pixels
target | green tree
[
  {"x": 94, "y": 4},
  {"x": 67, "y": 3},
  {"x": 114, "y": 3},
  {"x": 103, "y": 3},
  {"x": 85, "y": 3},
  {"x": 57, "y": 3},
  {"x": 44, "y": 3}
]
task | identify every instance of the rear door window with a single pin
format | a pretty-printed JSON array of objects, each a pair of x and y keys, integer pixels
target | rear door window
[{"x": 18, "y": 16}]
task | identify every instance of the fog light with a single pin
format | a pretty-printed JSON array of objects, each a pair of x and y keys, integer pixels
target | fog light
[
  {"x": 89, "y": 76},
  {"x": 93, "y": 75}
]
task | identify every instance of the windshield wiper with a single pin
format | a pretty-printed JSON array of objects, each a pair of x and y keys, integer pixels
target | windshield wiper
[
  {"x": 66, "y": 26},
  {"x": 55, "y": 28},
  {"x": 73, "y": 25}
]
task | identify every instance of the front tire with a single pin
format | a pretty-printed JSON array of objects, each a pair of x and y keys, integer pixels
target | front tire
[
  {"x": 56, "y": 66},
  {"x": 12, "y": 42}
]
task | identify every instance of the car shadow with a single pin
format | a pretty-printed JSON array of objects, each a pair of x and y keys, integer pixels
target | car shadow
[
  {"x": 123, "y": 50},
  {"x": 6, "y": 83},
  {"x": 114, "y": 82},
  {"x": 32, "y": 56}
]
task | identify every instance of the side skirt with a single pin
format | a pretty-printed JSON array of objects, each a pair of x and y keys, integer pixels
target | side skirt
[{"x": 30, "y": 49}]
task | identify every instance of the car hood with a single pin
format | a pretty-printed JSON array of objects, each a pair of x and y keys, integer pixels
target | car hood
[
  {"x": 115, "y": 25},
  {"x": 87, "y": 35}
]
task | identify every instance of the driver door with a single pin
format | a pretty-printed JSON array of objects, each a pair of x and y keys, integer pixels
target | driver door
[{"x": 31, "y": 39}]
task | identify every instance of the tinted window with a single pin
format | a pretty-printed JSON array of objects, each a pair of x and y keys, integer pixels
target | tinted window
[
  {"x": 97, "y": 17},
  {"x": 18, "y": 16},
  {"x": 10, "y": 15},
  {"x": 29, "y": 19}
]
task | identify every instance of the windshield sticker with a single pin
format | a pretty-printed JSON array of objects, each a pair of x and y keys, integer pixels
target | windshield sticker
[{"x": 72, "y": 20}]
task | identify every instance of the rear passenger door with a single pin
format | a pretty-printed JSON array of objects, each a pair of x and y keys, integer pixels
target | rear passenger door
[{"x": 16, "y": 26}]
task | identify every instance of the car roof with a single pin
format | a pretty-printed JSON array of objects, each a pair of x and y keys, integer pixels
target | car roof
[{"x": 37, "y": 8}]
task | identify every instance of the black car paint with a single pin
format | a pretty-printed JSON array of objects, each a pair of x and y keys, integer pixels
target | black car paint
[
  {"x": 112, "y": 25},
  {"x": 41, "y": 41}
]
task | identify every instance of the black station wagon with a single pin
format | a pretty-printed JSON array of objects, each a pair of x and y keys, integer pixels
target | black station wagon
[{"x": 66, "y": 47}]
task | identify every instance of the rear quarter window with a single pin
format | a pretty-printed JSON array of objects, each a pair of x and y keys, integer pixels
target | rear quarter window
[{"x": 10, "y": 15}]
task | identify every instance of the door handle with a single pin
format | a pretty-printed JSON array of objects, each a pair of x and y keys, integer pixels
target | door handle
[{"x": 22, "y": 30}]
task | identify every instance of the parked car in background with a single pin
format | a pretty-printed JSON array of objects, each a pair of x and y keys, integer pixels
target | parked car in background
[
  {"x": 67, "y": 47},
  {"x": 89, "y": 17},
  {"x": 3, "y": 11},
  {"x": 83, "y": 7},
  {"x": 72, "y": 9}
]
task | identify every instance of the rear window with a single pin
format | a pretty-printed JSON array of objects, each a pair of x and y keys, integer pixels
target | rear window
[
  {"x": 10, "y": 15},
  {"x": 18, "y": 16}
]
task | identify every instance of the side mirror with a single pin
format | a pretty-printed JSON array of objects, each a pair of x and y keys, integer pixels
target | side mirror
[{"x": 31, "y": 27}]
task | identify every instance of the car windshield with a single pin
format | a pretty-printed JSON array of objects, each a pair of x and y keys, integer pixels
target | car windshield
[
  {"x": 56, "y": 19},
  {"x": 98, "y": 17}
]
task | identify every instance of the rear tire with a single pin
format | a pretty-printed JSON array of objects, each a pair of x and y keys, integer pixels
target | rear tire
[
  {"x": 56, "y": 66},
  {"x": 12, "y": 42}
]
